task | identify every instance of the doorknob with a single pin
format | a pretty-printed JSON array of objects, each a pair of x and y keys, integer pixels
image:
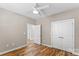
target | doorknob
[{"x": 61, "y": 37}]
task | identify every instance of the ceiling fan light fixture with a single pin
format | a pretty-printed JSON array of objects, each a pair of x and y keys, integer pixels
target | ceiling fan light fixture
[{"x": 35, "y": 11}]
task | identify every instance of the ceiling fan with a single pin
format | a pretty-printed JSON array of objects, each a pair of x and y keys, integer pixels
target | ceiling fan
[{"x": 37, "y": 9}]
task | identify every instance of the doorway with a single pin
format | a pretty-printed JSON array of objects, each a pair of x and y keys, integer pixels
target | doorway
[
  {"x": 62, "y": 34},
  {"x": 34, "y": 33}
]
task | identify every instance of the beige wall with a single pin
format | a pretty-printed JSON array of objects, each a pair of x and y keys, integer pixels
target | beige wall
[
  {"x": 46, "y": 25},
  {"x": 12, "y": 28}
]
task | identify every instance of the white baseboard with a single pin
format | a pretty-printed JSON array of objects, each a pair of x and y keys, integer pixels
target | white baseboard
[
  {"x": 47, "y": 45},
  {"x": 75, "y": 53},
  {"x": 71, "y": 52},
  {"x": 12, "y": 49}
]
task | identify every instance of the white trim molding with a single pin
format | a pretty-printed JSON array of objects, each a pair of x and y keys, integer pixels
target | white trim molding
[
  {"x": 75, "y": 53},
  {"x": 47, "y": 45},
  {"x": 12, "y": 49}
]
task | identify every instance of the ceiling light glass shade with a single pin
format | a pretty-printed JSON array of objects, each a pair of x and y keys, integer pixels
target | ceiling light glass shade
[{"x": 35, "y": 11}]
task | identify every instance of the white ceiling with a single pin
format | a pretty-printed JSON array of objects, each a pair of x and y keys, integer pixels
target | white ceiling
[{"x": 27, "y": 8}]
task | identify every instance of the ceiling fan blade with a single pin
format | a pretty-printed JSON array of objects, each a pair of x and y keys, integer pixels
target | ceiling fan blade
[
  {"x": 39, "y": 9},
  {"x": 43, "y": 7}
]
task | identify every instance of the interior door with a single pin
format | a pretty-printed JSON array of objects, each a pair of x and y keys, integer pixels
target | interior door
[
  {"x": 37, "y": 34},
  {"x": 68, "y": 35},
  {"x": 57, "y": 34},
  {"x": 63, "y": 34}
]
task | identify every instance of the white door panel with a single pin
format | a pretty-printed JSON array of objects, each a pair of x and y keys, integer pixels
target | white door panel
[
  {"x": 56, "y": 36},
  {"x": 68, "y": 30},
  {"x": 33, "y": 33},
  {"x": 36, "y": 34},
  {"x": 63, "y": 34}
]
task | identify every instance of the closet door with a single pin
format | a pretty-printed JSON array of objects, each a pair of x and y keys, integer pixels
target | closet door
[
  {"x": 63, "y": 34},
  {"x": 57, "y": 35},
  {"x": 68, "y": 34}
]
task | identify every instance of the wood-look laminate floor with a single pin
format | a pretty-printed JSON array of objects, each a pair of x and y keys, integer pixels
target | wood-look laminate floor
[{"x": 38, "y": 50}]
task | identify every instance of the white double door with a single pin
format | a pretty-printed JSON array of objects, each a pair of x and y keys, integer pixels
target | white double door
[{"x": 63, "y": 34}]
